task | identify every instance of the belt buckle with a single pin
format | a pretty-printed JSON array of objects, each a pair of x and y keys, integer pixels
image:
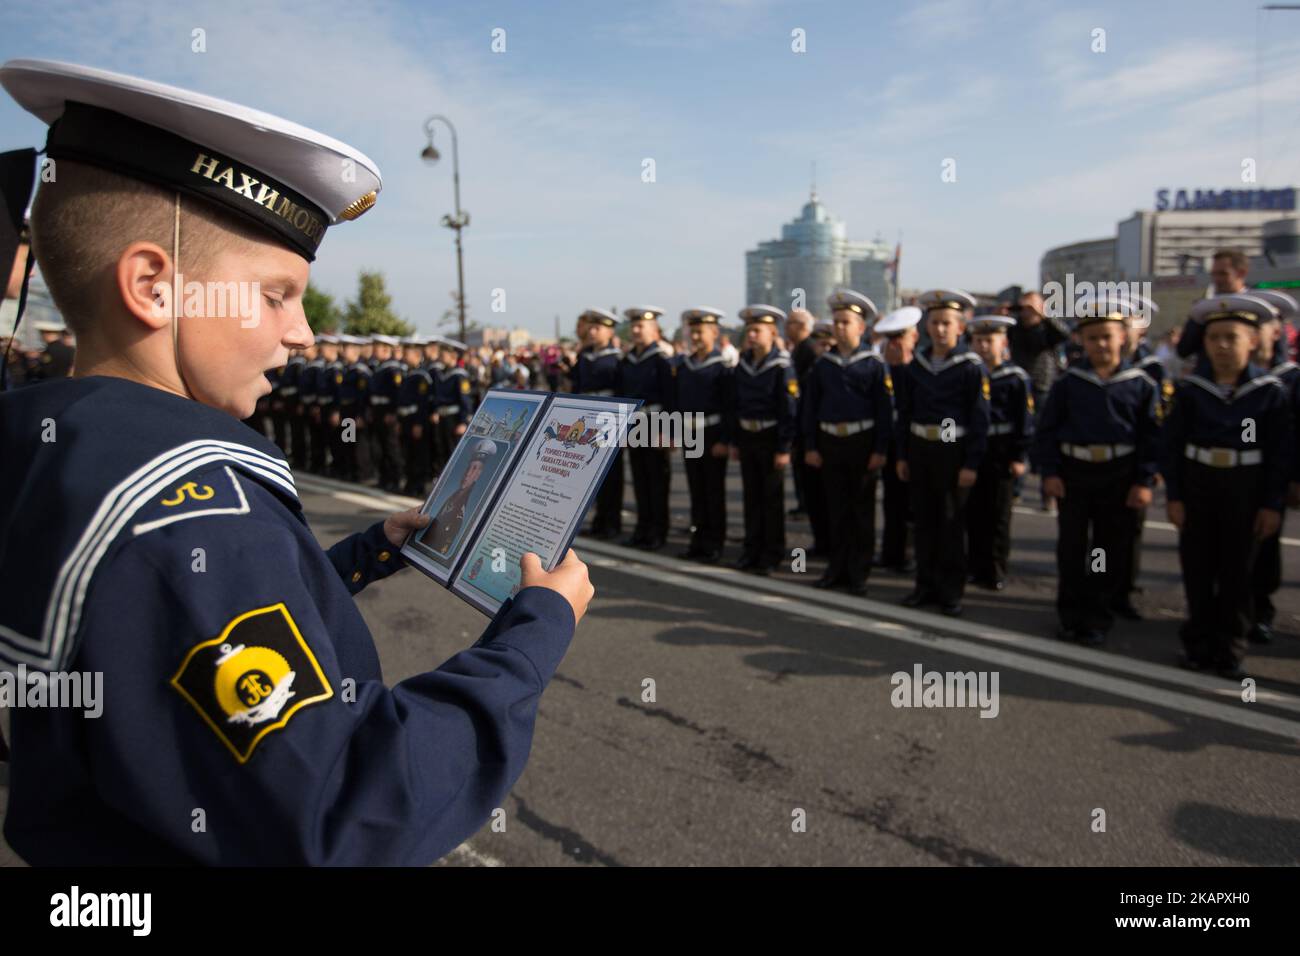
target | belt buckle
[
  {"x": 841, "y": 430},
  {"x": 1221, "y": 457},
  {"x": 932, "y": 433},
  {"x": 1098, "y": 453}
]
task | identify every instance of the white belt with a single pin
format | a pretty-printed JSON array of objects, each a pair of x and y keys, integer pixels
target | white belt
[
  {"x": 1223, "y": 457},
  {"x": 286, "y": 392},
  {"x": 1097, "y": 453},
  {"x": 378, "y": 399},
  {"x": 448, "y": 409},
  {"x": 710, "y": 420},
  {"x": 407, "y": 409},
  {"x": 844, "y": 429},
  {"x": 757, "y": 424},
  {"x": 936, "y": 432},
  {"x": 1005, "y": 428},
  {"x": 601, "y": 391}
]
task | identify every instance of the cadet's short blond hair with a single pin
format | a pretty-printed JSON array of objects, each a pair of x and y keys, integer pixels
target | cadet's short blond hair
[{"x": 82, "y": 220}]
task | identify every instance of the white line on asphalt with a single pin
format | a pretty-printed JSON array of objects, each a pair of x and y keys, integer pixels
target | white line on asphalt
[
  {"x": 467, "y": 854},
  {"x": 1158, "y": 525},
  {"x": 1077, "y": 669}
]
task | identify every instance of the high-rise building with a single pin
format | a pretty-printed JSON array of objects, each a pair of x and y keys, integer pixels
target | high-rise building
[{"x": 815, "y": 255}]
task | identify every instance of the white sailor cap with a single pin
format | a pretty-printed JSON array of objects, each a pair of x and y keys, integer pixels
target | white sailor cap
[
  {"x": 386, "y": 339},
  {"x": 327, "y": 338},
  {"x": 452, "y": 344},
  {"x": 702, "y": 315},
  {"x": 47, "y": 326},
  {"x": 900, "y": 320},
  {"x": 762, "y": 315},
  {"x": 600, "y": 317},
  {"x": 1242, "y": 307},
  {"x": 947, "y": 299},
  {"x": 1288, "y": 310},
  {"x": 638, "y": 312},
  {"x": 1106, "y": 308},
  {"x": 824, "y": 330},
  {"x": 346, "y": 339},
  {"x": 277, "y": 174},
  {"x": 412, "y": 341},
  {"x": 853, "y": 301},
  {"x": 484, "y": 448},
  {"x": 984, "y": 324}
]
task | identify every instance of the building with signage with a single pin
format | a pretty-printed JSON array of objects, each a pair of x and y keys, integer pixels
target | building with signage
[
  {"x": 815, "y": 254},
  {"x": 1092, "y": 260}
]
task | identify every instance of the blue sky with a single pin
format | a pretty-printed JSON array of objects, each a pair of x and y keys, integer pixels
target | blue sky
[{"x": 1053, "y": 142}]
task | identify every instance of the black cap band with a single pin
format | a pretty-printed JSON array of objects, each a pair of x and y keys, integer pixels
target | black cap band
[{"x": 115, "y": 142}]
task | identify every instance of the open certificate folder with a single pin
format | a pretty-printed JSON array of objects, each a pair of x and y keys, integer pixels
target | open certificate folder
[{"x": 521, "y": 479}]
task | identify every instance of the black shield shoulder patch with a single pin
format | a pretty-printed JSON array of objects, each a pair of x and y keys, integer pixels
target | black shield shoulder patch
[{"x": 252, "y": 679}]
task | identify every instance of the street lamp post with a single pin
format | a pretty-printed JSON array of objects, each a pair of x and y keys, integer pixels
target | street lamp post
[{"x": 461, "y": 218}]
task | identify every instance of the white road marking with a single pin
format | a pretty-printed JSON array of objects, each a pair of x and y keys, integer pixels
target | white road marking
[
  {"x": 468, "y": 855},
  {"x": 1078, "y": 664},
  {"x": 1149, "y": 523}
]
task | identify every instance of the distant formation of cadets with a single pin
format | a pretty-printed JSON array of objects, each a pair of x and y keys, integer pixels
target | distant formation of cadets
[{"x": 947, "y": 428}]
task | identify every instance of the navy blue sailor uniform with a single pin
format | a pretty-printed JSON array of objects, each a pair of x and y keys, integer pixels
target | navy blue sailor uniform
[
  {"x": 309, "y": 409},
  {"x": 988, "y": 510},
  {"x": 597, "y": 373},
  {"x": 943, "y": 422},
  {"x": 1101, "y": 438},
  {"x": 386, "y": 431},
  {"x": 647, "y": 374},
  {"x": 414, "y": 400},
  {"x": 289, "y": 430},
  {"x": 451, "y": 406},
  {"x": 354, "y": 406},
  {"x": 1223, "y": 481},
  {"x": 762, "y": 414},
  {"x": 847, "y": 413},
  {"x": 238, "y": 674},
  {"x": 327, "y": 398},
  {"x": 700, "y": 392}
]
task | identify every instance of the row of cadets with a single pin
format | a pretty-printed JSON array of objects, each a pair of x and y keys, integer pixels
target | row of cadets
[
  {"x": 898, "y": 334},
  {"x": 1011, "y": 430},
  {"x": 596, "y": 372},
  {"x": 943, "y": 421},
  {"x": 413, "y": 407},
  {"x": 323, "y": 375},
  {"x": 847, "y": 413},
  {"x": 385, "y": 432},
  {"x": 762, "y": 423},
  {"x": 700, "y": 389},
  {"x": 452, "y": 405},
  {"x": 1097, "y": 443},
  {"x": 647, "y": 373},
  {"x": 353, "y": 455},
  {"x": 1228, "y": 456}
]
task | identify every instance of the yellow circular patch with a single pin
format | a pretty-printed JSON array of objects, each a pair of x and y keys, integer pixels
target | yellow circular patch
[{"x": 248, "y": 677}]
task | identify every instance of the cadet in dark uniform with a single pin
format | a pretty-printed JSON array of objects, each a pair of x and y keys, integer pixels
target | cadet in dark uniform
[
  {"x": 175, "y": 560},
  {"x": 386, "y": 383},
  {"x": 441, "y": 534},
  {"x": 814, "y": 494},
  {"x": 1096, "y": 439},
  {"x": 1011, "y": 416},
  {"x": 847, "y": 414},
  {"x": 55, "y": 359},
  {"x": 308, "y": 389},
  {"x": 451, "y": 402},
  {"x": 1228, "y": 458},
  {"x": 597, "y": 373},
  {"x": 803, "y": 352},
  {"x": 291, "y": 396},
  {"x": 943, "y": 422},
  {"x": 898, "y": 345},
  {"x": 701, "y": 387},
  {"x": 647, "y": 374},
  {"x": 354, "y": 406},
  {"x": 327, "y": 397},
  {"x": 761, "y": 411},
  {"x": 414, "y": 399},
  {"x": 1272, "y": 356}
]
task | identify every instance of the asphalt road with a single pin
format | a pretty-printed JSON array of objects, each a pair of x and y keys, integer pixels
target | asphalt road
[{"x": 772, "y": 707}]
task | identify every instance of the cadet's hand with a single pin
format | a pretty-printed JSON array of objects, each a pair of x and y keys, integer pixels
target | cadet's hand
[
  {"x": 719, "y": 449},
  {"x": 875, "y": 462},
  {"x": 1053, "y": 487},
  {"x": 812, "y": 458},
  {"x": 734, "y": 451},
  {"x": 1293, "y": 494},
  {"x": 569, "y": 579},
  {"x": 1267, "y": 523},
  {"x": 904, "y": 473},
  {"x": 459, "y": 429},
  {"x": 966, "y": 478},
  {"x": 1139, "y": 496},
  {"x": 1177, "y": 516},
  {"x": 781, "y": 459},
  {"x": 1017, "y": 469},
  {"x": 398, "y": 526}
]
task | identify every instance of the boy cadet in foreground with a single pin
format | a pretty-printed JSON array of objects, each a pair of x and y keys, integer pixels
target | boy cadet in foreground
[
  {"x": 847, "y": 415},
  {"x": 1011, "y": 416},
  {"x": 238, "y": 674},
  {"x": 647, "y": 374},
  {"x": 943, "y": 423},
  {"x": 1096, "y": 439},
  {"x": 700, "y": 394},
  {"x": 764, "y": 394},
  {"x": 898, "y": 345},
  {"x": 1227, "y": 458}
]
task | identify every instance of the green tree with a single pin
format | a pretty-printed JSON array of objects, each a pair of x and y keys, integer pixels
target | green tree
[
  {"x": 450, "y": 319},
  {"x": 372, "y": 312},
  {"x": 323, "y": 315}
]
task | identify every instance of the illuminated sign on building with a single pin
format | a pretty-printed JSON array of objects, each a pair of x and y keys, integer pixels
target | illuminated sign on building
[{"x": 1282, "y": 200}]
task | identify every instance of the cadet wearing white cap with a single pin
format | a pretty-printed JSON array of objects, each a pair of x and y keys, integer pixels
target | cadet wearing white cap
[
  {"x": 252, "y": 690},
  {"x": 943, "y": 421},
  {"x": 597, "y": 372},
  {"x": 1225, "y": 483},
  {"x": 647, "y": 374},
  {"x": 898, "y": 345},
  {"x": 700, "y": 389}
]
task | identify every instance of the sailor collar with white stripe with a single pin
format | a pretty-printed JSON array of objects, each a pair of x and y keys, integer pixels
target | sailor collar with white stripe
[
  {"x": 362, "y": 366},
  {"x": 960, "y": 353},
  {"x": 650, "y": 351},
  {"x": 1124, "y": 373},
  {"x": 590, "y": 353},
  {"x": 865, "y": 350},
  {"x": 689, "y": 361},
  {"x": 775, "y": 358},
  {"x": 1252, "y": 377},
  {"x": 1282, "y": 368},
  {"x": 390, "y": 363},
  {"x": 1009, "y": 368}
]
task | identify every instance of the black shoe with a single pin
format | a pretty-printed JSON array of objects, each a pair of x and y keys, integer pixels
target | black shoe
[
  {"x": 710, "y": 557},
  {"x": 796, "y": 513},
  {"x": 1230, "y": 672},
  {"x": 1126, "y": 610},
  {"x": 1067, "y": 634},
  {"x": 953, "y": 609},
  {"x": 690, "y": 554},
  {"x": 1092, "y": 638},
  {"x": 916, "y": 599},
  {"x": 907, "y": 567},
  {"x": 825, "y": 581},
  {"x": 1261, "y": 633},
  {"x": 762, "y": 570},
  {"x": 632, "y": 542},
  {"x": 858, "y": 590},
  {"x": 1189, "y": 663},
  {"x": 744, "y": 564},
  {"x": 654, "y": 544}
]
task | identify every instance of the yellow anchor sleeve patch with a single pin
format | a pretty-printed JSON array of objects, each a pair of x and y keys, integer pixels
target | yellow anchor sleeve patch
[
  {"x": 250, "y": 680},
  {"x": 464, "y": 386},
  {"x": 792, "y": 386}
]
